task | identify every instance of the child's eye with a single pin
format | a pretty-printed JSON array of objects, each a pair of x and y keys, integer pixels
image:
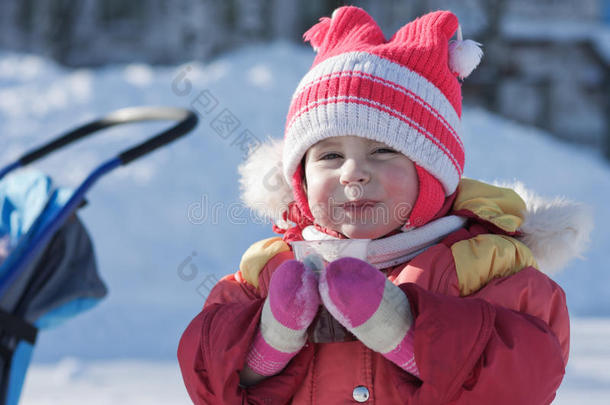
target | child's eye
[
  {"x": 386, "y": 150},
  {"x": 329, "y": 156}
]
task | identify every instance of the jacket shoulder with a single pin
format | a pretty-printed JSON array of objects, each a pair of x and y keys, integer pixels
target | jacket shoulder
[
  {"x": 490, "y": 247},
  {"x": 258, "y": 255},
  {"x": 484, "y": 257},
  {"x": 500, "y": 208}
]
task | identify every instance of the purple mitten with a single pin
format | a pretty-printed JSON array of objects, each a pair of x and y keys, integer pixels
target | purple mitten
[
  {"x": 376, "y": 311},
  {"x": 290, "y": 307}
]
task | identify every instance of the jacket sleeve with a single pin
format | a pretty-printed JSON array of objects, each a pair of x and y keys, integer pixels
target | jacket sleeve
[
  {"x": 213, "y": 348},
  {"x": 505, "y": 344}
]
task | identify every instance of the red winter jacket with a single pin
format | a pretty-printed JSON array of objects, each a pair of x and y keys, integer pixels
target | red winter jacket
[{"x": 489, "y": 327}]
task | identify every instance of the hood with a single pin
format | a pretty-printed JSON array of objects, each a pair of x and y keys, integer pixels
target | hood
[{"x": 556, "y": 230}]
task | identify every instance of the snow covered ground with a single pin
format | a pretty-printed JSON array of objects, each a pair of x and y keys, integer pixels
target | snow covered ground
[
  {"x": 180, "y": 207},
  {"x": 587, "y": 378}
]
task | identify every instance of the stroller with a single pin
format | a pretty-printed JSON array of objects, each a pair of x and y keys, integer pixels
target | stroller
[{"x": 48, "y": 271}]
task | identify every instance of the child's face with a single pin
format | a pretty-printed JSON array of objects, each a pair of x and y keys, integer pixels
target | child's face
[{"x": 350, "y": 168}]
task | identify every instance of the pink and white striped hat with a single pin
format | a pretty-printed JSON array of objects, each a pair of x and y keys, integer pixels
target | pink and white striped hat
[{"x": 404, "y": 92}]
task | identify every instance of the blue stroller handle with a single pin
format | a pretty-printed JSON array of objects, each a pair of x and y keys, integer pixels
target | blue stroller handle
[{"x": 187, "y": 120}]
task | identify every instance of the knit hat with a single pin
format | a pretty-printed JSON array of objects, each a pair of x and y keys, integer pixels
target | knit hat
[{"x": 403, "y": 92}]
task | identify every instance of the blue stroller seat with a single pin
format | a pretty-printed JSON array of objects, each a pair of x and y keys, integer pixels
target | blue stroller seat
[{"x": 48, "y": 271}]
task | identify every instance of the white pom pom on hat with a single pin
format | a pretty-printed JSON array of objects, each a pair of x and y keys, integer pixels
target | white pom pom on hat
[{"x": 464, "y": 55}]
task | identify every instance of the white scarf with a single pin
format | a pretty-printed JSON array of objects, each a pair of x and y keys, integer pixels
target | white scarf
[{"x": 402, "y": 247}]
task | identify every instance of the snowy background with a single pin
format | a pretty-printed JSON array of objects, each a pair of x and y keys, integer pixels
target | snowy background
[{"x": 180, "y": 207}]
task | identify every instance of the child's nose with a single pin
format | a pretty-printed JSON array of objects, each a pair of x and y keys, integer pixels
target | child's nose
[{"x": 354, "y": 172}]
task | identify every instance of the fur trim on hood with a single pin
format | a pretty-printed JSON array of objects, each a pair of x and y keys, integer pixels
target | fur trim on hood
[
  {"x": 263, "y": 186},
  {"x": 556, "y": 230}
]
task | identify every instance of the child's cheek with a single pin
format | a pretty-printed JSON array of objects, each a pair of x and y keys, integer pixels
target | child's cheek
[
  {"x": 400, "y": 184},
  {"x": 393, "y": 177},
  {"x": 319, "y": 193}
]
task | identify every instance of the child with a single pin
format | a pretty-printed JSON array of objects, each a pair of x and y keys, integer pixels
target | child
[{"x": 449, "y": 306}]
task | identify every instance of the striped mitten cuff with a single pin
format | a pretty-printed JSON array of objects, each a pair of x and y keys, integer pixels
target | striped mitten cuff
[
  {"x": 376, "y": 311},
  {"x": 290, "y": 307}
]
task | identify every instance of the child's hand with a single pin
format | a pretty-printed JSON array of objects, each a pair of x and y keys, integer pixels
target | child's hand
[
  {"x": 376, "y": 311},
  {"x": 290, "y": 307}
]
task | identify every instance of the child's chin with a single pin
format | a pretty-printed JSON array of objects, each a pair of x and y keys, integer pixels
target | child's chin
[{"x": 364, "y": 231}]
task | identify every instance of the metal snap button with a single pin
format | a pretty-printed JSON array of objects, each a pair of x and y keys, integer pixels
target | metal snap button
[{"x": 361, "y": 393}]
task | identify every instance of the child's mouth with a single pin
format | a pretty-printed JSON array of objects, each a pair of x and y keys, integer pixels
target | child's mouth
[{"x": 358, "y": 206}]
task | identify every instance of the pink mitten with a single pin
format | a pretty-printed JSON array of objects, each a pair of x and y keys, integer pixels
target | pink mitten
[
  {"x": 290, "y": 307},
  {"x": 376, "y": 311}
]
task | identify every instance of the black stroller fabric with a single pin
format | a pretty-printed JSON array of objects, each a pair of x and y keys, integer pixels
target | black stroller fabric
[{"x": 64, "y": 275}]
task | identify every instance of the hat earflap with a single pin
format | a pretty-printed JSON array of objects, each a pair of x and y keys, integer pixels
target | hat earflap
[{"x": 263, "y": 187}]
